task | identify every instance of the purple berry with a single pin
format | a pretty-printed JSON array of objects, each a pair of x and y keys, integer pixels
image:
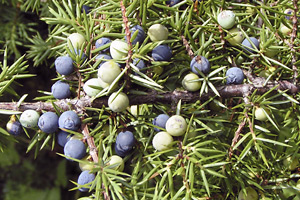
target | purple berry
[
  {"x": 101, "y": 42},
  {"x": 234, "y": 75},
  {"x": 61, "y": 90},
  {"x": 69, "y": 120},
  {"x": 140, "y": 35},
  {"x": 48, "y": 122},
  {"x": 124, "y": 143},
  {"x": 200, "y": 63},
  {"x": 75, "y": 149},
  {"x": 62, "y": 138},
  {"x": 139, "y": 63},
  {"x": 162, "y": 53},
  {"x": 247, "y": 46},
  {"x": 104, "y": 58},
  {"x": 160, "y": 121},
  {"x": 14, "y": 128},
  {"x": 86, "y": 9},
  {"x": 64, "y": 65},
  {"x": 84, "y": 178}
]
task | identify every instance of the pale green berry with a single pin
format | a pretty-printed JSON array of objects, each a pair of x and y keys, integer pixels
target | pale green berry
[
  {"x": 87, "y": 165},
  {"x": 226, "y": 19},
  {"x": 76, "y": 40},
  {"x": 235, "y": 37},
  {"x": 109, "y": 71},
  {"x": 158, "y": 32},
  {"x": 102, "y": 83},
  {"x": 134, "y": 110},
  {"x": 162, "y": 141},
  {"x": 118, "y": 102},
  {"x": 291, "y": 163},
  {"x": 260, "y": 114},
  {"x": 118, "y": 49},
  {"x": 117, "y": 162},
  {"x": 158, "y": 70},
  {"x": 189, "y": 82},
  {"x": 29, "y": 119},
  {"x": 176, "y": 125},
  {"x": 284, "y": 29},
  {"x": 89, "y": 89},
  {"x": 251, "y": 194}
]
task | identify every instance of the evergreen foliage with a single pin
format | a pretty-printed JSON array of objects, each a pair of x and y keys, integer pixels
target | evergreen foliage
[{"x": 225, "y": 148}]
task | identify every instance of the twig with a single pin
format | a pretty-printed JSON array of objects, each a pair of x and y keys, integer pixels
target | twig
[
  {"x": 236, "y": 137},
  {"x": 227, "y": 91},
  {"x": 128, "y": 37},
  {"x": 90, "y": 142},
  {"x": 187, "y": 46}
]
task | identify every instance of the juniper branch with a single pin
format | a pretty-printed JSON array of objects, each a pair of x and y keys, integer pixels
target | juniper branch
[{"x": 226, "y": 91}]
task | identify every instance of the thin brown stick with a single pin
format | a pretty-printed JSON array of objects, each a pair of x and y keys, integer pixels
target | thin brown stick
[
  {"x": 91, "y": 143},
  {"x": 187, "y": 47},
  {"x": 227, "y": 91},
  {"x": 236, "y": 138}
]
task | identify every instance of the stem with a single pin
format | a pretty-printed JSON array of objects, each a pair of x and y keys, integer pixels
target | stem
[{"x": 226, "y": 91}]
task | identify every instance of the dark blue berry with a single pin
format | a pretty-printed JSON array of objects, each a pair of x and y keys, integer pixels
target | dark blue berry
[
  {"x": 48, "y": 122},
  {"x": 104, "y": 58},
  {"x": 124, "y": 143},
  {"x": 84, "y": 178},
  {"x": 247, "y": 46},
  {"x": 61, "y": 90},
  {"x": 64, "y": 65},
  {"x": 141, "y": 35},
  {"x": 69, "y": 120},
  {"x": 101, "y": 42},
  {"x": 234, "y": 75},
  {"x": 162, "y": 53},
  {"x": 200, "y": 63},
  {"x": 75, "y": 149},
  {"x": 62, "y": 138},
  {"x": 160, "y": 121},
  {"x": 14, "y": 128}
]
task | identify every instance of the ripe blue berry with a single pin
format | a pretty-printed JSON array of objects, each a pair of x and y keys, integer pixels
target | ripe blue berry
[
  {"x": 62, "y": 138},
  {"x": 234, "y": 75},
  {"x": 140, "y": 35},
  {"x": 84, "y": 178},
  {"x": 61, "y": 90},
  {"x": 69, "y": 120},
  {"x": 172, "y": 2},
  {"x": 14, "y": 128},
  {"x": 29, "y": 118},
  {"x": 64, "y": 65},
  {"x": 86, "y": 9},
  {"x": 48, "y": 122},
  {"x": 160, "y": 121},
  {"x": 124, "y": 143},
  {"x": 101, "y": 42},
  {"x": 104, "y": 58},
  {"x": 247, "y": 46},
  {"x": 75, "y": 149},
  {"x": 139, "y": 63},
  {"x": 162, "y": 53},
  {"x": 200, "y": 63}
]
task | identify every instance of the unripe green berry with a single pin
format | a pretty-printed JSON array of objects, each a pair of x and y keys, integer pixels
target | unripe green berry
[
  {"x": 162, "y": 141},
  {"x": 176, "y": 125},
  {"x": 226, "y": 19},
  {"x": 260, "y": 114},
  {"x": 284, "y": 29},
  {"x": 251, "y": 194},
  {"x": 118, "y": 102},
  {"x": 76, "y": 40},
  {"x": 235, "y": 36},
  {"x": 117, "y": 161},
  {"x": 291, "y": 163},
  {"x": 158, "y": 32},
  {"x": 29, "y": 118},
  {"x": 189, "y": 82},
  {"x": 119, "y": 49},
  {"x": 89, "y": 89},
  {"x": 109, "y": 71}
]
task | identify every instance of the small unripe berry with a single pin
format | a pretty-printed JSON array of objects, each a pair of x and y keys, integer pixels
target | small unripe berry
[
  {"x": 260, "y": 114},
  {"x": 190, "y": 84},
  {"x": 76, "y": 40},
  {"x": 109, "y": 71},
  {"x": 158, "y": 32},
  {"x": 226, "y": 19},
  {"x": 176, "y": 125},
  {"x": 251, "y": 194},
  {"x": 291, "y": 163},
  {"x": 119, "y": 49},
  {"x": 117, "y": 162},
  {"x": 162, "y": 141},
  {"x": 118, "y": 102},
  {"x": 29, "y": 118},
  {"x": 235, "y": 36},
  {"x": 89, "y": 89}
]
